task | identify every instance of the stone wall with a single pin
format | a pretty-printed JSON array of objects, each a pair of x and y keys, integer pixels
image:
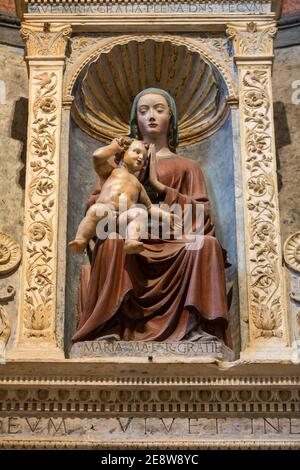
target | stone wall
[
  {"x": 287, "y": 117},
  {"x": 13, "y": 129}
]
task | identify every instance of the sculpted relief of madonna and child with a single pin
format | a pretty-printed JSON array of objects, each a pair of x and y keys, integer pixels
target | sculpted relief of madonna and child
[{"x": 150, "y": 284}]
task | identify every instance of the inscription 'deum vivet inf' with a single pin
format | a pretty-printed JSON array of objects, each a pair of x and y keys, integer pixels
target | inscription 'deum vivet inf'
[
  {"x": 250, "y": 7},
  {"x": 141, "y": 428}
]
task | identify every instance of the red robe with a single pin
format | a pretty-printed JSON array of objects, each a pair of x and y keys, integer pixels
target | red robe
[{"x": 157, "y": 295}]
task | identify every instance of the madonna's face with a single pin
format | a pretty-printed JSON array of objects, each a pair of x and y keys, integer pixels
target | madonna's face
[{"x": 153, "y": 116}]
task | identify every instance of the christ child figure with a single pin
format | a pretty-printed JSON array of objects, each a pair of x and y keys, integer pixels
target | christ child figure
[{"x": 122, "y": 195}]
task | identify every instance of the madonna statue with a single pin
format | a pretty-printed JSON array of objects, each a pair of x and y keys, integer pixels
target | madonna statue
[{"x": 166, "y": 293}]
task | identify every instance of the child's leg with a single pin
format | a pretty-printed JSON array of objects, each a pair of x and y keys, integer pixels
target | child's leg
[
  {"x": 87, "y": 227},
  {"x": 137, "y": 223}
]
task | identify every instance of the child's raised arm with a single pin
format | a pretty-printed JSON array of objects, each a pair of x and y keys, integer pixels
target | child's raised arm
[{"x": 103, "y": 154}]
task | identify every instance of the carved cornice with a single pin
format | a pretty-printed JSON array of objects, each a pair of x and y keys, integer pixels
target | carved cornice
[
  {"x": 73, "y": 411},
  {"x": 252, "y": 40},
  {"x": 46, "y": 40},
  {"x": 291, "y": 252},
  {"x": 158, "y": 380},
  {"x": 90, "y": 400},
  {"x": 262, "y": 444}
]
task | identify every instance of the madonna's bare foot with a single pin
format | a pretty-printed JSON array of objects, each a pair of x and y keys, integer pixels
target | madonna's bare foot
[
  {"x": 78, "y": 246},
  {"x": 133, "y": 247}
]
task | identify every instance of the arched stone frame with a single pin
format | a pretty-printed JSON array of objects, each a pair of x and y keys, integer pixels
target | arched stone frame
[{"x": 268, "y": 322}]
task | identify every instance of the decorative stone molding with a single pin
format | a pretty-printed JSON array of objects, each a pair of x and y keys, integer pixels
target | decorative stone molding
[
  {"x": 94, "y": 401},
  {"x": 291, "y": 251},
  {"x": 4, "y": 326},
  {"x": 153, "y": 445},
  {"x": 46, "y": 40},
  {"x": 254, "y": 41},
  {"x": 10, "y": 254},
  {"x": 102, "y": 411}
]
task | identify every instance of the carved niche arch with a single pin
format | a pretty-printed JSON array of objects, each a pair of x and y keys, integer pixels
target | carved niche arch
[{"x": 209, "y": 61}]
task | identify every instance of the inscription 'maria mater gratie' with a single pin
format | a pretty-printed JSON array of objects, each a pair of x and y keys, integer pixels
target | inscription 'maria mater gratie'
[{"x": 100, "y": 348}]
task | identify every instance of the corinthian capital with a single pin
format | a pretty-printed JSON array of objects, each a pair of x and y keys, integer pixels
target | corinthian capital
[
  {"x": 46, "y": 39},
  {"x": 252, "y": 40}
]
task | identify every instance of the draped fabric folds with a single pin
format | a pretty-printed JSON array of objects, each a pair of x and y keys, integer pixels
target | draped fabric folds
[{"x": 162, "y": 294}]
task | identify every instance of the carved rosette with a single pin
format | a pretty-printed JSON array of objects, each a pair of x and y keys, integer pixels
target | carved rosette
[
  {"x": 292, "y": 252},
  {"x": 38, "y": 309},
  {"x": 10, "y": 254}
]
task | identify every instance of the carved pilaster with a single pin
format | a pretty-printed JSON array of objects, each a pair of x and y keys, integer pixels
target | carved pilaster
[
  {"x": 45, "y": 47},
  {"x": 267, "y": 310}
]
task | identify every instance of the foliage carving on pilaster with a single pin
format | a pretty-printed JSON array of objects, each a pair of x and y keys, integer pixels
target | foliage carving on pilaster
[
  {"x": 39, "y": 278},
  {"x": 46, "y": 40},
  {"x": 252, "y": 39},
  {"x": 266, "y": 309}
]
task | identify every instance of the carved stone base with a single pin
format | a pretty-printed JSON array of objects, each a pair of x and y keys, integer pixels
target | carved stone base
[
  {"x": 181, "y": 349},
  {"x": 78, "y": 404}
]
